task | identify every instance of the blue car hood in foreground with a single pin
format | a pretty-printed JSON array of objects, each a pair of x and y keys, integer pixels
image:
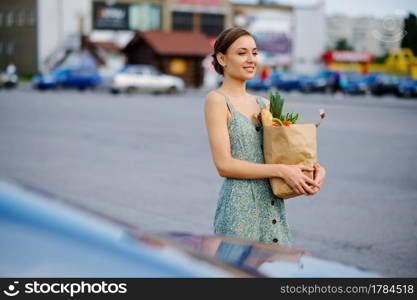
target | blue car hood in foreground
[{"x": 44, "y": 237}]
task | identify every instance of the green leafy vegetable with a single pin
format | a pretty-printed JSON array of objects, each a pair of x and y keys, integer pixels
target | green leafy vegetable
[{"x": 276, "y": 106}]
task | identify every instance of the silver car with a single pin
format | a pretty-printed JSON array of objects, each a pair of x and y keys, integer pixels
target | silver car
[{"x": 146, "y": 78}]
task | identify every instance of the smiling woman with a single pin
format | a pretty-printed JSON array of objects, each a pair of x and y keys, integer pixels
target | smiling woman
[{"x": 246, "y": 207}]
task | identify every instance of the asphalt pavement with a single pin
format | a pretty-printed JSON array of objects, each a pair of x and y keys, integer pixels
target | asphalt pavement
[{"x": 145, "y": 159}]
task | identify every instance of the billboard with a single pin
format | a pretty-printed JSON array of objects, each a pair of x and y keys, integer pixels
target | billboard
[
  {"x": 113, "y": 17},
  {"x": 272, "y": 30},
  {"x": 125, "y": 16}
]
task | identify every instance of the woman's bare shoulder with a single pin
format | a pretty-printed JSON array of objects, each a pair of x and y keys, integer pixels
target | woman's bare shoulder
[
  {"x": 215, "y": 105},
  {"x": 215, "y": 98}
]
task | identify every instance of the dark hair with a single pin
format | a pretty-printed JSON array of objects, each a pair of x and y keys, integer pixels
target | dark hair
[{"x": 223, "y": 42}]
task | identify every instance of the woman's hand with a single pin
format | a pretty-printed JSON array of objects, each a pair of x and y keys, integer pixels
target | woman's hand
[
  {"x": 300, "y": 183},
  {"x": 319, "y": 175}
]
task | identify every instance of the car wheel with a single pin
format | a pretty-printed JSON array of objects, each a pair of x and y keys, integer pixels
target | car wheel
[
  {"x": 114, "y": 91},
  {"x": 172, "y": 90},
  {"x": 131, "y": 90},
  {"x": 9, "y": 85},
  {"x": 406, "y": 94}
]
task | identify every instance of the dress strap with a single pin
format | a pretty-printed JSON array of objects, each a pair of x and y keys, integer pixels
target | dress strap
[
  {"x": 260, "y": 102},
  {"x": 228, "y": 102}
]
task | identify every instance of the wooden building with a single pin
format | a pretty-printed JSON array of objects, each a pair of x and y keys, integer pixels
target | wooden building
[{"x": 176, "y": 53}]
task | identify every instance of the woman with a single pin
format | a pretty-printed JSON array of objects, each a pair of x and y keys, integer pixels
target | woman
[{"x": 246, "y": 208}]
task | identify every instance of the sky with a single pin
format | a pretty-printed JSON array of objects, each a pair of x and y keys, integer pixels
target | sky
[{"x": 377, "y": 8}]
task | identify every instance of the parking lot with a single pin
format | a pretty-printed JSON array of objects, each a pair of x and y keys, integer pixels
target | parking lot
[{"x": 144, "y": 159}]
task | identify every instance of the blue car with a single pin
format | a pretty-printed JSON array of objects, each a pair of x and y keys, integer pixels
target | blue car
[
  {"x": 43, "y": 236},
  {"x": 408, "y": 88},
  {"x": 285, "y": 81},
  {"x": 386, "y": 84},
  {"x": 81, "y": 78},
  {"x": 282, "y": 80},
  {"x": 257, "y": 84},
  {"x": 321, "y": 82},
  {"x": 359, "y": 85}
]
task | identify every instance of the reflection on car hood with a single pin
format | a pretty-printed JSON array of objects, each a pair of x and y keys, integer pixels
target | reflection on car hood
[{"x": 269, "y": 260}]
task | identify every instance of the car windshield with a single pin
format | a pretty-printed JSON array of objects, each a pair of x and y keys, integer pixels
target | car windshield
[
  {"x": 351, "y": 75},
  {"x": 289, "y": 76},
  {"x": 385, "y": 79},
  {"x": 78, "y": 60},
  {"x": 323, "y": 74},
  {"x": 141, "y": 69}
]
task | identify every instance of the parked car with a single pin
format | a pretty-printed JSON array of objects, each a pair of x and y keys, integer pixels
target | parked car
[
  {"x": 66, "y": 240},
  {"x": 134, "y": 78},
  {"x": 257, "y": 84},
  {"x": 408, "y": 88},
  {"x": 8, "y": 80},
  {"x": 81, "y": 78},
  {"x": 282, "y": 80},
  {"x": 385, "y": 84},
  {"x": 359, "y": 85},
  {"x": 285, "y": 80},
  {"x": 321, "y": 82}
]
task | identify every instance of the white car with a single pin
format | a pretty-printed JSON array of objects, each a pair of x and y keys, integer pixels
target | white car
[{"x": 134, "y": 78}]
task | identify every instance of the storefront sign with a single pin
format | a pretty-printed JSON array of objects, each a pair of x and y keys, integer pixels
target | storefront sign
[
  {"x": 113, "y": 17},
  {"x": 124, "y": 16},
  {"x": 199, "y": 2},
  {"x": 346, "y": 56}
]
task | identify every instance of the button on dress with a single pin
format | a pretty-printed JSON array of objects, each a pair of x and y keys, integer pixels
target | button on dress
[{"x": 246, "y": 208}]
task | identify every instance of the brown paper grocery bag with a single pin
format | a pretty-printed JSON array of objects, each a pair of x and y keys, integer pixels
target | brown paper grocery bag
[{"x": 291, "y": 145}]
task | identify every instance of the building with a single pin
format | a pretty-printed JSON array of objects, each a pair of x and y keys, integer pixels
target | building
[
  {"x": 178, "y": 53},
  {"x": 338, "y": 27},
  {"x": 35, "y": 33},
  {"x": 288, "y": 37},
  {"x": 118, "y": 20},
  {"x": 366, "y": 34},
  {"x": 273, "y": 28},
  {"x": 51, "y": 28},
  {"x": 309, "y": 38},
  {"x": 205, "y": 18},
  {"x": 18, "y": 29}
]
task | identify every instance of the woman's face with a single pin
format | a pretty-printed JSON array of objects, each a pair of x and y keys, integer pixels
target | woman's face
[{"x": 240, "y": 60}]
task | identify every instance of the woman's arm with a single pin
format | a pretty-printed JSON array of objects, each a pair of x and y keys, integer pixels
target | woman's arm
[{"x": 216, "y": 111}]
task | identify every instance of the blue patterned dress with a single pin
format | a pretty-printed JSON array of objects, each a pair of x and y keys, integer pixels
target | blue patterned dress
[{"x": 246, "y": 208}]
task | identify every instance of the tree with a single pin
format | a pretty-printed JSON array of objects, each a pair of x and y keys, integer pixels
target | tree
[
  {"x": 342, "y": 44},
  {"x": 380, "y": 59},
  {"x": 410, "y": 38}
]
